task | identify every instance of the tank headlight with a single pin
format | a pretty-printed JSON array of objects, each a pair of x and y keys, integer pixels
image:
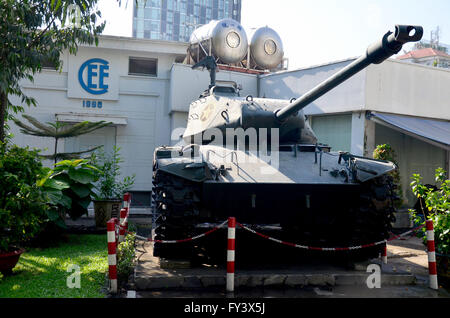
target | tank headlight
[
  {"x": 233, "y": 40},
  {"x": 270, "y": 47}
]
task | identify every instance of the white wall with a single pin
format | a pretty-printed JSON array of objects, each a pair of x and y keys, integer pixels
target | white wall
[
  {"x": 408, "y": 89},
  {"x": 391, "y": 87}
]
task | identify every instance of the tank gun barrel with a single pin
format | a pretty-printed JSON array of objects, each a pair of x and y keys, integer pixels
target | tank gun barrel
[{"x": 390, "y": 44}]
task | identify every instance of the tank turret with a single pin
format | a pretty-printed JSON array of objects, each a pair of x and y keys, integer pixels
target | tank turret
[{"x": 222, "y": 108}]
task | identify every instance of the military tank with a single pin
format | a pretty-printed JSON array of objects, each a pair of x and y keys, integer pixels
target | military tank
[{"x": 258, "y": 159}]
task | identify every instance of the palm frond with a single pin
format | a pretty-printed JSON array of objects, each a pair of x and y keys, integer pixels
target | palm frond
[
  {"x": 85, "y": 151},
  {"x": 28, "y": 130},
  {"x": 46, "y": 129},
  {"x": 81, "y": 128},
  {"x": 69, "y": 155}
]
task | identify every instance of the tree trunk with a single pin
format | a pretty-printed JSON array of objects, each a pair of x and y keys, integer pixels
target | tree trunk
[
  {"x": 56, "y": 149},
  {"x": 3, "y": 108}
]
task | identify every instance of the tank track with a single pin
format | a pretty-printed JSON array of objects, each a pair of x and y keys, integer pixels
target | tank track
[{"x": 177, "y": 204}]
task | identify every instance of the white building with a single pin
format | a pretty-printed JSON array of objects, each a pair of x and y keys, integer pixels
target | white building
[{"x": 142, "y": 88}]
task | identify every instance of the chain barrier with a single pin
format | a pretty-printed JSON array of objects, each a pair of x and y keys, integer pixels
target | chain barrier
[
  {"x": 115, "y": 224},
  {"x": 327, "y": 249},
  {"x": 332, "y": 249},
  {"x": 189, "y": 239}
]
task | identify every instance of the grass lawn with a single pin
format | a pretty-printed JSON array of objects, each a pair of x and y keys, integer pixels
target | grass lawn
[{"x": 43, "y": 272}]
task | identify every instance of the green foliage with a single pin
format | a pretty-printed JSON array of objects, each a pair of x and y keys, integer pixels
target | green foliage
[
  {"x": 23, "y": 208},
  {"x": 385, "y": 152},
  {"x": 59, "y": 130},
  {"x": 437, "y": 208},
  {"x": 69, "y": 187},
  {"x": 126, "y": 257},
  {"x": 108, "y": 186}
]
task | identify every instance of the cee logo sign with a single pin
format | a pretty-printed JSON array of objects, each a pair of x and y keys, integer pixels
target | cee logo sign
[{"x": 92, "y": 76}]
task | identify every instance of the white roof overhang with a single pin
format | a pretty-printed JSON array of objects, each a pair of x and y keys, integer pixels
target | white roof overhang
[{"x": 433, "y": 131}]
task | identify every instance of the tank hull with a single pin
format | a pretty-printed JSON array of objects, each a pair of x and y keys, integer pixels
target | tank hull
[
  {"x": 266, "y": 203},
  {"x": 301, "y": 200}
]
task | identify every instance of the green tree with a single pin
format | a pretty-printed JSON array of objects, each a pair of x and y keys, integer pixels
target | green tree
[
  {"x": 385, "y": 152},
  {"x": 58, "y": 131},
  {"x": 435, "y": 206},
  {"x": 23, "y": 206},
  {"x": 33, "y": 31}
]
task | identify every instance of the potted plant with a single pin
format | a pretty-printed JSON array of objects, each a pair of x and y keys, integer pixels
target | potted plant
[
  {"x": 434, "y": 204},
  {"x": 109, "y": 190},
  {"x": 22, "y": 203}
]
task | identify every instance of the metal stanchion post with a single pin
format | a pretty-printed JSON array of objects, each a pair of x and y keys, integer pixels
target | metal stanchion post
[
  {"x": 230, "y": 253},
  {"x": 432, "y": 268},
  {"x": 384, "y": 254},
  {"x": 112, "y": 258}
]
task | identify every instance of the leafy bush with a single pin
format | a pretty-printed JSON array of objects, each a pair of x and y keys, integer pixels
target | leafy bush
[
  {"x": 125, "y": 257},
  {"x": 108, "y": 186},
  {"x": 69, "y": 187},
  {"x": 437, "y": 208},
  {"x": 385, "y": 152},
  {"x": 23, "y": 207}
]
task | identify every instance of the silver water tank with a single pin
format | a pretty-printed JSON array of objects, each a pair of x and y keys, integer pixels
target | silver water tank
[
  {"x": 225, "y": 39},
  {"x": 266, "y": 48}
]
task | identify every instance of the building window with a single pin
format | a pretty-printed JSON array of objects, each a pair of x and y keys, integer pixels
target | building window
[
  {"x": 142, "y": 66},
  {"x": 156, "y": 14},
  {"x": 48, "y": 65},
  {"x": 156, "y": 3},
  {"x": 147, "y": 13}
]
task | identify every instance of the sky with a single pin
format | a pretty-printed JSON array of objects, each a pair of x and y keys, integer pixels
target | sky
[{"x": 320, "y": 31}]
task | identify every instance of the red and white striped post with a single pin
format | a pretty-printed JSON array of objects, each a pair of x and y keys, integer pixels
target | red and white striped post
[
  {"x": 126, "y": 200},
  {"x": 123, "y": 224},
  {"x": 384, "y": 254},
  {"x": 432, "y": 268},
  {"x": 124, "y": 213},
  {"x": 230, "y": 253},
  {"x": 112, "y": 258}
]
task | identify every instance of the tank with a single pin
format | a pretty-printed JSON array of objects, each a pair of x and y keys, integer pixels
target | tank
[
  {"x": 224, "y": 39},
  {"x": 258, "y": 160},
  {"x": 266, "y": 49}
]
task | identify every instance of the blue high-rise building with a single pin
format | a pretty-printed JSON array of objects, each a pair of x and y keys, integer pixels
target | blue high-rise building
[{"x": 174, "y": 20}]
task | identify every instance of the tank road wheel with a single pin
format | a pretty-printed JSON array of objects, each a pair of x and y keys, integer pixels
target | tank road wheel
[
  {"x": 372, "y": 222},
  {"x": 175, "y": 204}
]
